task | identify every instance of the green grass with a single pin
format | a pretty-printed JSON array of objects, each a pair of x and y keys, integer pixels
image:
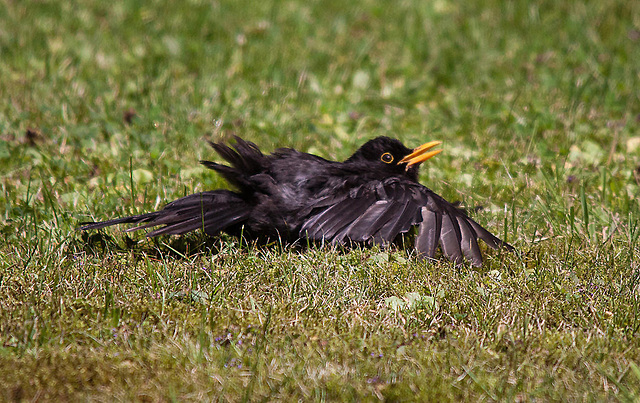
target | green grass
[{"x": 105, "y": 108}]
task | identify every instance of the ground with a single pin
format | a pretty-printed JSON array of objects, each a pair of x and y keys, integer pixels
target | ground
[{"x": 106, "y": 108}]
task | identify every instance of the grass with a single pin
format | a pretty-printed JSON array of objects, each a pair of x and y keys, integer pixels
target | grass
[{"x": 105, "y": 109}]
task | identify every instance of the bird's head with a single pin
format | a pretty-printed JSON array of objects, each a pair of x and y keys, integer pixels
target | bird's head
[{"x": 390, "y": 156}]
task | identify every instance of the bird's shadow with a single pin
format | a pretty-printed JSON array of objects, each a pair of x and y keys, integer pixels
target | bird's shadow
[
  {"x": 100, "y": 243},
  {"x": 193, "y": 244},
  {"x": 184, "y": 246}
]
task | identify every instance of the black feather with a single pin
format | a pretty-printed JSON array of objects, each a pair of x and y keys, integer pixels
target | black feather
[
  {"x": 450, "y": 239},
  {"x": 292, "y": 195},
  {"x": 429, "y": 233}
]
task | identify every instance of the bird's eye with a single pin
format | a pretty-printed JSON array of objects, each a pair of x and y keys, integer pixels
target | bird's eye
[{"x": 386, "y": 157}]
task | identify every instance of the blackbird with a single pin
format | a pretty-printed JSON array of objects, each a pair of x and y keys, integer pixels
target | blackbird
[{"x": 372, "y": 197}]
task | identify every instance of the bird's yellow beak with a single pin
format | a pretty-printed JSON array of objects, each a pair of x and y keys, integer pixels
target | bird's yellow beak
[{"x": 420, "y": 154}]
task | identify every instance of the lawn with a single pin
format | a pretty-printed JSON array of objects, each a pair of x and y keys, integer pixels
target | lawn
[{"x": 105, "y": 109}]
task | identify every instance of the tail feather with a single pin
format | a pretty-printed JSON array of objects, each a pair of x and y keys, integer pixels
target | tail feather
[
  {"x": 232, "y": 175},
  {"x": 124, "y": 220},
  {"x": 245, "y": 159},
  {"x": 212, "y": 211}
]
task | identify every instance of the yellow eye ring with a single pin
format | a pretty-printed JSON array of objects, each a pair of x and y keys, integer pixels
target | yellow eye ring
[{"x": 386, "y": 158}]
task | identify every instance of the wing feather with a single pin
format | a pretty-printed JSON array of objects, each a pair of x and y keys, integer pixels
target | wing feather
[
  {"x": 488, "y": 237},
  {"x": 214, "y": 211},
  {"x": 336, "y": 217},
  {"x": 363, "y": 228},
  {"x": 469, "y": 243},
  {"x": 450, "y": 240},
  {"x": 379, "y": 211},
  {"x": 403, "y": 222},
  {"x": 429, "y": 233}
]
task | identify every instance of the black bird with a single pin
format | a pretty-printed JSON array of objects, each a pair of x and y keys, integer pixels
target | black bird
[{"x": 372, "y": 197}]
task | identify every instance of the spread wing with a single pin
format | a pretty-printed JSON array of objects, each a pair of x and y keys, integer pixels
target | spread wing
[
  {"x": 212, "y": 211},
  {"x": 379, "y": 211}
]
